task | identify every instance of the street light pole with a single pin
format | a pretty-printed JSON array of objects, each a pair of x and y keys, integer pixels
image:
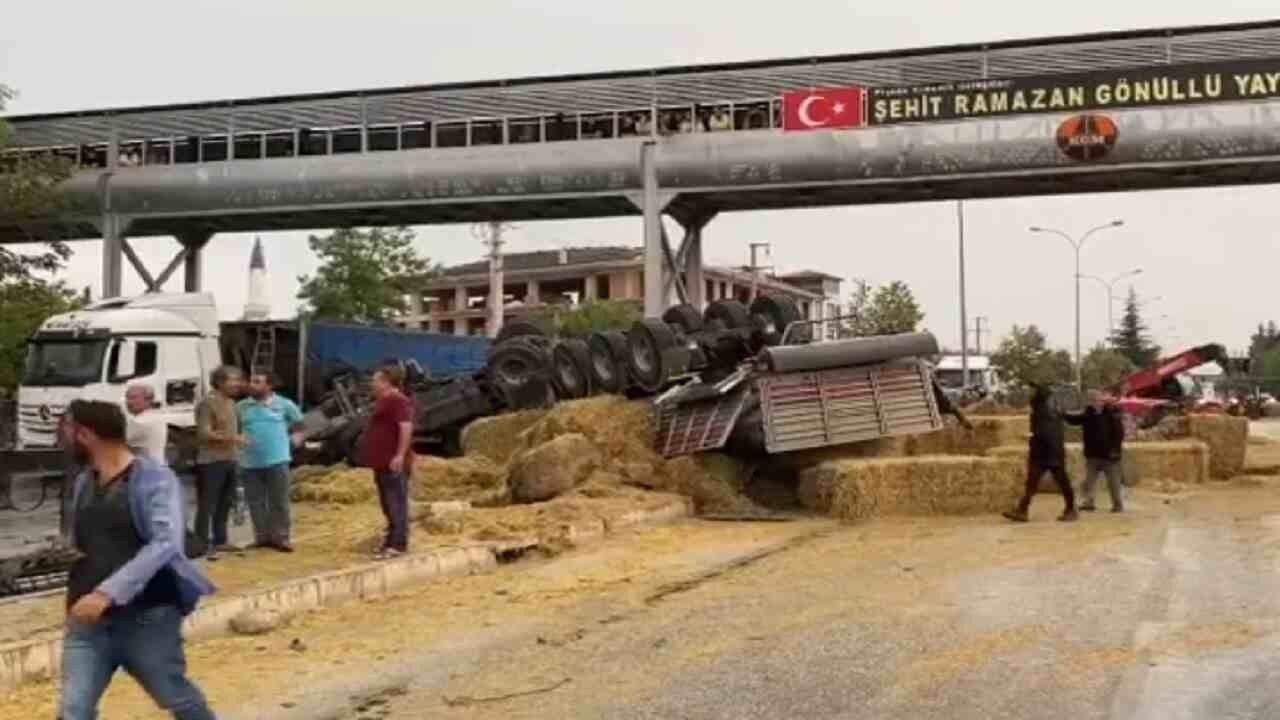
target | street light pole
[
  {"x": 1111, "y": 300},
  {"x": 1076, "y": 245}
]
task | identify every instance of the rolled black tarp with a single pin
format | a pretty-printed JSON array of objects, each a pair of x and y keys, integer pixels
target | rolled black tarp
[{"x": 844, "y": 353}]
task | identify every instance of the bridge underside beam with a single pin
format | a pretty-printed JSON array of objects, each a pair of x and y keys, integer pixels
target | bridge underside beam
[{"x": 1095, "y": 179}]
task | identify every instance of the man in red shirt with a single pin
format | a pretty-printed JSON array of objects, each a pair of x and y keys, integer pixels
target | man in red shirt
[{"x": 386, "y": 444}]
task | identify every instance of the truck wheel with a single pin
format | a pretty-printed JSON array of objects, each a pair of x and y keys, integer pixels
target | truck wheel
[
  {"x": 572, "y": 362},
  {"x": 685, "y": 317},
  {"x": 731, "y": 314},
  {"x": 609, "y": 360},
  {"x": 655, "y": 356},
  {"x": 514, "y": 366},
  {"x": 772, "y": 314}
]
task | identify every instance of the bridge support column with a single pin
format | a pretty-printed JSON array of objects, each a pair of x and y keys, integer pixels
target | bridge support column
[
  {"x": 652, "y": 202},
  {"x": 192, "y": 257},
  {"x": 690, "y": 255},
  {"x": 113, "y": 244}
]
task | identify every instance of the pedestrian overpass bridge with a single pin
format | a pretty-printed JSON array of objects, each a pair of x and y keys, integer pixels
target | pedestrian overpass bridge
[{"x": 1122, "y": 111}]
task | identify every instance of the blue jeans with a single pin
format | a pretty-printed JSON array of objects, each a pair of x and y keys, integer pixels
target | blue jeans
[{"x": 147, "y": 644}]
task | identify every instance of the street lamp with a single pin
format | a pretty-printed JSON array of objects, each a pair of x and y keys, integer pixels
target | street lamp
[
  {"x": 1111, "y": 300},
  {"x": 1077, "y": 245}
]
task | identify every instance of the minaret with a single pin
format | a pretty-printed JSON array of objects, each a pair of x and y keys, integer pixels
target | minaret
[{"x": 257, "y": 307}]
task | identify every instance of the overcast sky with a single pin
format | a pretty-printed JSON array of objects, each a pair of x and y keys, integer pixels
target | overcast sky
[{"x": 1209, "y": 254}]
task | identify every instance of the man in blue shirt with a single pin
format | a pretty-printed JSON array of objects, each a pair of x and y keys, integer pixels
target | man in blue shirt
[
  {"x": 270, "y": 425},
  {"x": 132, "y": 585}
]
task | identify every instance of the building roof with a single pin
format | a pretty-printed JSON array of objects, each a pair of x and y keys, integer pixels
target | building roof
[
  {"x": 806, "y": 274},
  {"x": 543, "y": 259}
]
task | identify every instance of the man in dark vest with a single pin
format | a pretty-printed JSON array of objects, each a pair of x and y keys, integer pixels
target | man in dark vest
[
  {"x": 128, "y": 593},
  {"x": 1103, "y": 448},
  {"x": 1046, "y": 454}
]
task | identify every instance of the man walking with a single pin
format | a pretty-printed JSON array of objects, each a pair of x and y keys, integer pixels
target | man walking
[
  {"x": 269, "y": 424},
  {"x": 148, "y": 433},
  {"x": 1103, "y": 449},
  {"x": 218, "y": 438},
  {"x": 128, "y": 593},
  {"x": 385, "y": 448},
  {"x": 1047, "y": 454}
]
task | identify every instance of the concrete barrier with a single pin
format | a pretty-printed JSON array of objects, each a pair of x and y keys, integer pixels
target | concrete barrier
[{"x": 40, "y": 658}]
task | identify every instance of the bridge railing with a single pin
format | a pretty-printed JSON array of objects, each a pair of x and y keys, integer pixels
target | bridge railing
[
  {"x": 748, "y": 114},
  {"x": 606, "y": 105}
]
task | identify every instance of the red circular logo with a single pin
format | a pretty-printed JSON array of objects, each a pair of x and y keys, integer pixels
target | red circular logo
[{"x": 1087, "y": 137}]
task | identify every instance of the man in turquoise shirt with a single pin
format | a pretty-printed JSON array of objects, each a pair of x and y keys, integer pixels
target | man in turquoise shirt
[{"x": 270, "y": 425}]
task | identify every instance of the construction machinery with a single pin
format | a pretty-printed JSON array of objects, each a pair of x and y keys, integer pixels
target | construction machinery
[{"x": 1149, "y": 395}]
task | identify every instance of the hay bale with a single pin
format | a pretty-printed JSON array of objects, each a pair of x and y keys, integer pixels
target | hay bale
[
  {"x": 338, "y": 484},
  {"x": 1173, "y": 427},
  {"x": 713, "y": 481},
  {"x": 1227, "y": 438},
  {"x": 472, "y": 479},
  {"x": 553, "y": 468},
  {"x": 928, "y": 485},
  {"x": 497, "y": 438},
  {"x": 882, "y": 447},
  {"x": 987, "y": 433},
  {"x": 622, "y": 429},
  {"x": 1184, "y": 462}
]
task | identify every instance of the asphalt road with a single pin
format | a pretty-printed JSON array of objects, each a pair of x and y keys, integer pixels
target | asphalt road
[{"x": 1168, "y": 612}]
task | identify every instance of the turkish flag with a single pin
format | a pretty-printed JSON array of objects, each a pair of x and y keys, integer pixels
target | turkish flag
[{"x": 821, "y": 108}]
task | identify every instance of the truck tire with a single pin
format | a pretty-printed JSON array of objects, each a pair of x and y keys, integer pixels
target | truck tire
[
  {"x": 685, "y": 317},
  {"x": 731, "y": 314},
  {"x": 772, "y": 314},
  {"x": 609, "y": 368},
  {"x": 572, "y": 362},
  {"x": 655, "y": 356},
  {"x": 518, "y": 328},
  {"x": 518, "y": 371}
]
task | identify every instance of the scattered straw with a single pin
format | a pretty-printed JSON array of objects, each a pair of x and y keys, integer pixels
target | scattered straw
[
  {"x": 497, "y": 438},
  {"x": 930, "y": 485},
  {"x": 474, "y": 479},
  {"x": 339, "y": 484},
  {"x": 714, "y": 481}
]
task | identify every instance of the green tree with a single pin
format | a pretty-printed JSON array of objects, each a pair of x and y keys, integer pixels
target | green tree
[
  {"x": 1024, "y": 357},
  {"x": 1103, "y": 367},
  {"x": 586, "y": 318},
  {"x": 363, "y": 274},
  {"x": 886, "y": 310},
  {"x": 27, "y": 302},
  {"x": 1264, "y": 370},
  {"x": 28, "y": 191},
  {"x": 1131, "y": 339}
]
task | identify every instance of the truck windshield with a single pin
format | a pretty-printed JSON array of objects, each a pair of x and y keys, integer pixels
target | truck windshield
[{"x": 70, "y": 363}]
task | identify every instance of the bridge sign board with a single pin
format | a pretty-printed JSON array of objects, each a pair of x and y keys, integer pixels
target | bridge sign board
[{"x": 1153, "y": 86}]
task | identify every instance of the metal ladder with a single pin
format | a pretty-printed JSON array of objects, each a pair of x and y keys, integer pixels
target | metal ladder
[{"x": 264, "y": 350}]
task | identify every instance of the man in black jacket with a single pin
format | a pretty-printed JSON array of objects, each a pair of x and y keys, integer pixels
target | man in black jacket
[
  {"x": 1047, "y": 453},
  {"x": 1103, "y": 448}
]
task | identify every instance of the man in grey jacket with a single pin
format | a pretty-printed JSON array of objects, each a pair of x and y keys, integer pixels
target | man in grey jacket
[{"x": 131, "y": 587}]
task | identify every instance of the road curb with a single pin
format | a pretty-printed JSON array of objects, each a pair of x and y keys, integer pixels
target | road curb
[{"x": 40, "y": 658}]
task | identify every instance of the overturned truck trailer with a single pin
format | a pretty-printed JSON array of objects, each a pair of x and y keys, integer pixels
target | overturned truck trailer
[
  {"x": 799, "y": 397},
  {"x": 748, "y": 380}
]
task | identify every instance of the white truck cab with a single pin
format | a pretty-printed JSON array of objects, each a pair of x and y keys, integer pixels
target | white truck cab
[{"x": 166, "y": 341}]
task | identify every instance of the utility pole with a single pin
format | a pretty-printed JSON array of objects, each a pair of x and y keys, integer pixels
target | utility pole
[
  {"x": 978, "y": 329},
  {"x": 964, "y": 318},
  {"x": 490, "y": 235},
  {"x": 755, "y": 267}
]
